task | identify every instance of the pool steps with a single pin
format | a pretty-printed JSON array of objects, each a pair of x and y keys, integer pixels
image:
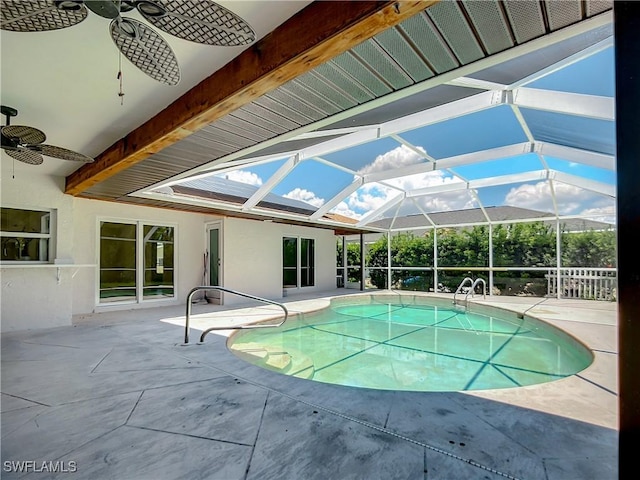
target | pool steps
[{"x": 292, "y": 362}]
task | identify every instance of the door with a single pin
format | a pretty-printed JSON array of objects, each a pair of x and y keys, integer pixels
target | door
[{"x": 213, "y": 274}]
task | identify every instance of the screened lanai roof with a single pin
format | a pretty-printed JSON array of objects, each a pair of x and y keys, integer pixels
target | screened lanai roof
[{"x": 498, "y": 115}]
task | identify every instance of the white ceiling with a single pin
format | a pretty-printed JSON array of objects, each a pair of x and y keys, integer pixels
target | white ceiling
[{"x": 64, "y": 82}]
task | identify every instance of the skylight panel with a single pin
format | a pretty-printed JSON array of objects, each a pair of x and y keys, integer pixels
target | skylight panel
[
  {"x": 313, "y": 182},
  {"x": 581, "y": 170},
  {"x": 579, "y": 77},
  {"x": 571, "y": 131},
  {"x": 482, "y": 130},
  {"x": 504, "y": 166},
  {"x": 378, "y": 155},
  {"x": 251, "y": 173}
]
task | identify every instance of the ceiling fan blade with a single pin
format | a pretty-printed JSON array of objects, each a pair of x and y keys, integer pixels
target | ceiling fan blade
[
  {"x": 40, "y": 15},
  {"x": 145, "y": 49},
  {"x": 200, "y": 21},
  {"x": 59, "y": 152},
  {"x": 23, "y": 134},
  {"x": 24, "y": 155}
]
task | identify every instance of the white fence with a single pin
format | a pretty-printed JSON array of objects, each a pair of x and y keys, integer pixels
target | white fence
[{"x": 586, "y": 283}]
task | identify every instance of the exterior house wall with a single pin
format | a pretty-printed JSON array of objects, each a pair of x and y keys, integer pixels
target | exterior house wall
[
  {"x": 32, "y": 296},
  {"x": 252, "y": 258},
  {"x": 44, "y": 296},
  {"x": 188, "y": 248}
]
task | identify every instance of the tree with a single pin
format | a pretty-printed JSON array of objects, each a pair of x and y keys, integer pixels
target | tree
[
  {"x": 530, "y": 244},
  {"x": 353, "y": 260},
  {"x": 591, "y": 248}
]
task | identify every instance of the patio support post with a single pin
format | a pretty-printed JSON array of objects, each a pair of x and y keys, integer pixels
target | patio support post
[
  {"x": 362, "y": 274},
  {"x": 627, "y": 52},
  {"x": 389, "y": 259},
  {"x": 344, "y": 261},
  {"x": 491, "y": 259},
  {"x": 435, "y": 259},
  {"x": 558, "y": 259}
]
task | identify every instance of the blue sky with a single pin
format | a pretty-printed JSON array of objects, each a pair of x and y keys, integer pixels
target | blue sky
[{"x": 316, "y": 183}]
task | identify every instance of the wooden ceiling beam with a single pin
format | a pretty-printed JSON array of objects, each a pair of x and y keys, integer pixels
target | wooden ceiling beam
[{"x": 317, "y": 33}]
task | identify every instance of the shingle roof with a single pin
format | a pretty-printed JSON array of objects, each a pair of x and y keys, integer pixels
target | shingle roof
[{"x": 476, "y": 216}]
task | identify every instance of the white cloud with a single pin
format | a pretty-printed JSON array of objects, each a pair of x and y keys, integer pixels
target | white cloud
[
  {"x": 242, "y": 176},
  {"x": 602, "y": 214},
  {"x": 369, "y": 197},
  {"x": 396, "y": 158},
  {"x": 445, "y": 202},
  {"x": 372, "y": 196},
  {"x": 305, "y": 196},
  {"x": 595, "y": 211},
  {"x": 343, "y": 209},
  {"x": 570, "y": 199}
]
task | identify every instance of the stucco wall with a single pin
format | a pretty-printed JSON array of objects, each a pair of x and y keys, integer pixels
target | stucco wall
[
  {"x": 188, "y": 247},
  {"x": 33, "y": 297},
  {"x": 252, "y": 257},
  {"x": 44, "y": 296}
]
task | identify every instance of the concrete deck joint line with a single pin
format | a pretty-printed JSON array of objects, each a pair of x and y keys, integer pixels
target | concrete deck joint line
[
  {"x": 581, "y": 377},
  {"x": 255, "y": 441},
  {"x": 93, "y": 370},
  {"x": 134, "y": 407},
  {"x": 182, "y": 434},
  {"x": 26, "y": 400},
  {"x": 405, "y": 438}
]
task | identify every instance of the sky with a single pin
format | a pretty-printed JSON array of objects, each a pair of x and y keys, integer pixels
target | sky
[{"x": 316, "y": 183}]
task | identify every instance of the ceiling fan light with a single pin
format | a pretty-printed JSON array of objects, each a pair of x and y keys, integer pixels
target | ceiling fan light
[
  {"x": 151, "y": 9},
  {"x": 68, "y": 5}
]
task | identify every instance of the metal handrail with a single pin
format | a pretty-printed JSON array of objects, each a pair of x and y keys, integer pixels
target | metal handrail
[
  {"x": 460, "y": 287},
  {"x": 473, "y": 288},
  {"x": 237, "y": 327}
]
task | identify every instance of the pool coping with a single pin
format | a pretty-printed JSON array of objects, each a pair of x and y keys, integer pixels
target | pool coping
[{"x": 513, "y": 305}]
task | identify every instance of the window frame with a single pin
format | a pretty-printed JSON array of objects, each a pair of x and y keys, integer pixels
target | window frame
[
  {"x": 50, "y": 236},
  {"x": 140, "y": 267},
  {"x": 299, "y": 268}
]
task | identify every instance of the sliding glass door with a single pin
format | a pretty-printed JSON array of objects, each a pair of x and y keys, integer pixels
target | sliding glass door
[
  {"x": 136, "y": 262},
  {"x": 298, "y": 262}
]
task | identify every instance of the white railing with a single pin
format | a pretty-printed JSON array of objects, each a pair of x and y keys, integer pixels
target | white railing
[{"x": 586, "y": 283}]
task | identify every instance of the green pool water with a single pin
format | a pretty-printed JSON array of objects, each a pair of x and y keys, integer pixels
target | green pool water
[{"x": 415, "y": 347}]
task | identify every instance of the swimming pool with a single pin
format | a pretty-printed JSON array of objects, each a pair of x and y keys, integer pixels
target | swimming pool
[{"x": 397, "y": 342}]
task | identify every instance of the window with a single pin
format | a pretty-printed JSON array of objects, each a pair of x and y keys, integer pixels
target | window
[
  {"x": 158, "y": 262},
  {"x": 298, "y": 262},
  {"x": 26, "y": 235},
  {"x": 307, "y": 262},
  {"x": 136, "y": 262}
]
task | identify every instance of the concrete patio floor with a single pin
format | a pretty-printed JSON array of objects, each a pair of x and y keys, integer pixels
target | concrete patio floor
[{"x": 119, "y": 396}]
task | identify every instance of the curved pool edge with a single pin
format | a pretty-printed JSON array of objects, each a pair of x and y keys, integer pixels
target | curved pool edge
[
  {"x": 589, "y": 397},
  {"x": 302, "y": 308}
]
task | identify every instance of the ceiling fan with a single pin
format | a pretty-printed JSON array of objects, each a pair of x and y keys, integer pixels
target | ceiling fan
[
  {"x": 200, "y": 21},
  {"x": 26, "y": 144}
]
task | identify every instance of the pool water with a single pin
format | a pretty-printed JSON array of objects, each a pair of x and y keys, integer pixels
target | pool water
[{"x": 415, "y": 347}]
